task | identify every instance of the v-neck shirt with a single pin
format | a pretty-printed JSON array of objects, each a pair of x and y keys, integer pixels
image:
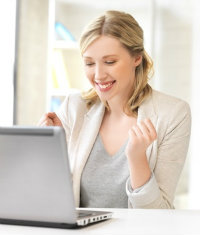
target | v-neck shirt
[{"x": 103, "y": 181}]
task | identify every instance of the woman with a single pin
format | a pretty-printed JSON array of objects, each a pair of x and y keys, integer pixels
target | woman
[{"x": 127, "y": 143}]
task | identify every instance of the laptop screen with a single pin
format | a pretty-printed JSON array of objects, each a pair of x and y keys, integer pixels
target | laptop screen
[{"x": 35, "y": 179}]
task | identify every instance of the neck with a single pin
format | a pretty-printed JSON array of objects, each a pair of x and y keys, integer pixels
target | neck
[
  {"x": 116, "y": 108},
  {"x": 118, "y": 103}
]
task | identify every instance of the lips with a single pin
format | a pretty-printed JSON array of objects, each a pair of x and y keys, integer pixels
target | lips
[{"x": 105, "y": 86}]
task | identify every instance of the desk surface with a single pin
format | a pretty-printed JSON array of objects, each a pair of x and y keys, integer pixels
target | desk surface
[{"x": 126, "y": 222}]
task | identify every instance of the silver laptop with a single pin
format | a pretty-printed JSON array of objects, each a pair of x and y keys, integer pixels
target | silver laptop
[{"x": 35, "y": 180}]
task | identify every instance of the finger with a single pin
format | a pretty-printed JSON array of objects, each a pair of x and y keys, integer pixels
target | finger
[
  {"x": 151, "y": 128},
  {"x": 137, "y": 131},
  {"x": 51, "y": 115},
  {"x": 48, "y": 122},
  {"x": 45, "y": 120},
  {"x": 144, "y": 129},
  {"x": 55, "y": 119},
  {"x": 44, "y": 124}
]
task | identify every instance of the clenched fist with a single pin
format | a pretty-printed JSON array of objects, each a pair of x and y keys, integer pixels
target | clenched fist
[
  {"x": 50, "y": 119},
  {"x": 140, "y": 137}
]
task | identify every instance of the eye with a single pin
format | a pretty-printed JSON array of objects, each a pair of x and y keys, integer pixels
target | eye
[
  {"x": 110, "y": 61},
  {"x": 89, "y": 63}
]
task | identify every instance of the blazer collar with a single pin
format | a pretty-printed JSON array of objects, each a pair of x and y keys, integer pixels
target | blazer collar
[
  {"x": 147, "y": 110},
  {"x": 88, "y": 133}
]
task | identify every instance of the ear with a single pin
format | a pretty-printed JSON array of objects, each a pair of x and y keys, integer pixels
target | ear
[{"x": 137, "y": 60}]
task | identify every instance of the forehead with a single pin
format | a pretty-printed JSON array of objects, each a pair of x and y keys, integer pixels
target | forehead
[{"x": 104, "y": 45}]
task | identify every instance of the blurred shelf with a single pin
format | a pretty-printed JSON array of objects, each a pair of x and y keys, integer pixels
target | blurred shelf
[
  {"x": 62, "y": 44},
  {"x": 59, "y": 92}
]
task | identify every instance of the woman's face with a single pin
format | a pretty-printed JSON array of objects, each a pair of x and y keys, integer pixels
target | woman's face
[{"x": 110, "y": 69}]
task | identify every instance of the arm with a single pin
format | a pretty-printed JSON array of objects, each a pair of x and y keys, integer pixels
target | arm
[
  {"x": 159, "y": 191},
  {"x": 140, "y": 137}
]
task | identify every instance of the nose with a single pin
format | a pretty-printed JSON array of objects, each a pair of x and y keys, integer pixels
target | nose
[{"x": 100, "y": 73}]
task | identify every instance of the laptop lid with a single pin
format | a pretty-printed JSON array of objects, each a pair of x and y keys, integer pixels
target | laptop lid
[{"x": 35, "y": 179}]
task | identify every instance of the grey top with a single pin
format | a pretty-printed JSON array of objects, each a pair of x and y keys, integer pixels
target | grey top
[{"x": 103, "y": 181}]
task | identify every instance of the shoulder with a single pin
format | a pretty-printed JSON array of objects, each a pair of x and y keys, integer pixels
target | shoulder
[
  {"x": 166, "y": 104},
  {"x": 74, "y": 102},
  {"x": 72, "y": 107},
  {"x": 172, "y": 114},
  {"x": 169, "y": 111},
  {"x": 75, "y": 106}
]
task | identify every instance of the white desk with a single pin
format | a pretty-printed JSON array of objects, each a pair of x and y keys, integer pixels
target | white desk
[{"x": 126, "y": 222}]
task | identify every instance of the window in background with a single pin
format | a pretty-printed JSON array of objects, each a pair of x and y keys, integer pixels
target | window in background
[{"x": 7, "y": 59}]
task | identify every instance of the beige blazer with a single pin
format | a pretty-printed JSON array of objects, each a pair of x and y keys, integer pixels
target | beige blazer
[{"x": 172, "y": 120}]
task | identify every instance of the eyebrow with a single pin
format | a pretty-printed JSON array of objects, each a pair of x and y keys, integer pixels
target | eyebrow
[{"x": 104, "y": 57}]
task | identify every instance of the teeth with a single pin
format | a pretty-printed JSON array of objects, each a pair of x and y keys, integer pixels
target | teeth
[{"x": 106, "y": 85}]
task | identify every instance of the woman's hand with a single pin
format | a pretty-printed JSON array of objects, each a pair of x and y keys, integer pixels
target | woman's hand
[
  {"x": 140, "y": 137},
  {"x": 50, "y": 119}
]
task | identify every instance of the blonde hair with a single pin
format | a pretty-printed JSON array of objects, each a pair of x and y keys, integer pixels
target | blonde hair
[{"x": 125, "y": 28}]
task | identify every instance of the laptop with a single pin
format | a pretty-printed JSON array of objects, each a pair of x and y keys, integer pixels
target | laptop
[{"x": 35, "y": 180}]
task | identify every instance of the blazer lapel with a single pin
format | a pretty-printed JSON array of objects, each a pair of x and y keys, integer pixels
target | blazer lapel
[{"x": 88, "y": 133}]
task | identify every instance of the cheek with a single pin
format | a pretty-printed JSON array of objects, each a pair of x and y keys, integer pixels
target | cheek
[{"x": 120, "y": 70}]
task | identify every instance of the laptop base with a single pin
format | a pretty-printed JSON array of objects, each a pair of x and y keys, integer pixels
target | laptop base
[{"x": 38, "y": 223}]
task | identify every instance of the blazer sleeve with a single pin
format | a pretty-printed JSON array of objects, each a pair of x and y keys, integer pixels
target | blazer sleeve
[{"x": 171, "y": 154}]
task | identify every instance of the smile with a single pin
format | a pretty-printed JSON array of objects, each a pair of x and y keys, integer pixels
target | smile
[{"x": 105, "y": 86}]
